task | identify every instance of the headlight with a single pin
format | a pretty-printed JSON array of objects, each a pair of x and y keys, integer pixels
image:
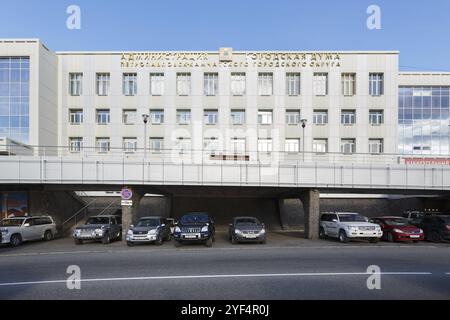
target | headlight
[
  {"x": 398, "y": 231},
  {"x": 99, "y": 231},
  {"x": 77, "y": 231},
  {"x": 130, "y": 232},
  {"x": 237, "y": 231},
  {"x": 177, "y": 229},
  {"x": 205, "y": 229},
  {"x": 420, "y": 231},
  {"x": 153, "y": 231},
  {"x": 263, "y": 231},
  {"x": 4, "y": 230},
  {"x": 353, "y": 228}
]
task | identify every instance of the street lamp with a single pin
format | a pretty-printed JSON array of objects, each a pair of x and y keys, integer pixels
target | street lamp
[
  {"x": 303, "y": 121},
  {"x": 145, "y": 119}
]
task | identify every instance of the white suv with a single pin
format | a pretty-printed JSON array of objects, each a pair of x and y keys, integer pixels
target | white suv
[
  {"x": 17, "y": 230},
  {"x": 346, "y": 226}
]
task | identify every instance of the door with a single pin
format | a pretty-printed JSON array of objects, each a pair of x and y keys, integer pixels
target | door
[
  {"x": 333, "y": 225},
  {"x": 28, "y": 230}
]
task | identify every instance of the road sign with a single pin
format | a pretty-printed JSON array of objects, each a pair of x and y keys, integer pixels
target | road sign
[
  {"x": 127, "y": 203},
  {"x": 126, "y": 194}
]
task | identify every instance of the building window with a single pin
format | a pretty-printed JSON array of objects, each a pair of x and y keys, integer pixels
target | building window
[
  {"x": 320, "y": 116},
  {"x": 348, "y": 117},
  {"x": 376, "y": 117},
  {"x": 211, "y": 145},
  {"x": 103, "y": 81},
  {"x": 210, "y": 84},
  {"x": 183, "y": 116},
  {"x": 102, "y": 145},
  {"x": 348, "y": 84},
  {"x": 292, "y": 145},
  {"x": 157, "y": 84},
  {"x": 156, "y": 116},
  {"x": 130, "y": 145},
  {"x": 130, "y": 84},
  {"x": 237, "y": 117},
  {"x": 265, "y": 84},
  {"x": 183, "y": 84},
  {"x": 75, "y": 116},
  {"x": 376, "y": 84},
  {"x": 320, "y": 145},
  {"x": 238, "y": 84},
  {"x": 156, "y": 145},
  {"x": 348, "y": 145},
  {"x": 265, "y": 117},
  {"x": 183, "y": 145},
  {"x": 103, "y": 116},
  {"x": 320, "y": 84},
  {"x": 238, "y": 146},
  {"x": 75, "y": 84},
  {"x": 292, "y": 117},
  {"x": 293, "y": 84},
  {"x": 211, "y": 116},
  {"x": 375, "y": 146},
  {"x": 129, "y": 116},
  {"x": 264, "y": 145},
  {"x": 75, "y": 144}
]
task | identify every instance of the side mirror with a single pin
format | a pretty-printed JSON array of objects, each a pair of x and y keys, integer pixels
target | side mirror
[
  {"x": 231, "y": 224},
  {"x": 26, "y": 225},
  {"x": 163, "y": 225},
  {"x": 334, "y": 220},
  {"x": 132, "y": 226}
]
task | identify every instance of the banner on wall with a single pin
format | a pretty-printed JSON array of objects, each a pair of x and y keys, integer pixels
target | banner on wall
[{"x": 14, "y": 204}]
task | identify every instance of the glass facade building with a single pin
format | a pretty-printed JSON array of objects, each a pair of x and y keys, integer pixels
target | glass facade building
[
  {"x": 423, "y": 117},
  {"x": 14, "y": 98}
]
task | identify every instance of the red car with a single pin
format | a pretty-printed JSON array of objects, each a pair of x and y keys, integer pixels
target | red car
[{"x": 398, "y": 229}]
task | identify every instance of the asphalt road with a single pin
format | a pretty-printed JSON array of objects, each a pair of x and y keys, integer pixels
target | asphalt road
[{"x": 286, "y": 268}]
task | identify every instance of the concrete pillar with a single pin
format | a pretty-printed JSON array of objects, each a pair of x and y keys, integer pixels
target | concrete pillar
[
  {"x": 311, "y": 204},
  {"x": 168, "y": 206},
  {"x": 290, "y": 211},
  {"x": 130, "y": 213}
]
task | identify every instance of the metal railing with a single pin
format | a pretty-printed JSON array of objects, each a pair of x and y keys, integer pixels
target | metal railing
[{"x": 76, "y": 216}]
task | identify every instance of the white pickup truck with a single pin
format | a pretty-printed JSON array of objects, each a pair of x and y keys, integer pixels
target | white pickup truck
[{"x": 346, "y": 226}]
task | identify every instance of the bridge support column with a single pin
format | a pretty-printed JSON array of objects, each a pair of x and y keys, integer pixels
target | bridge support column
[
  {"x": 129, "y": 213},
  {"x": 311, "y": 204}
]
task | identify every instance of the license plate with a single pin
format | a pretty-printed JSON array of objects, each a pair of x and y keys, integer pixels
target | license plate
[
  {"x": 251, "y": 236},
  {"x": 414, "y": 237},
  {"x": 191, "y": 236}
]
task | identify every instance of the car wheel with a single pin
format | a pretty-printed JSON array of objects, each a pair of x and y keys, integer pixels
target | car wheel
[
  {"x": 322, "y": 233},
  {"x": 130, "y": 244},
  {"x": 120, "y": 236},
  {"x": 48, "y": 235},
  {"x": 374, "y": 240},
  {"x": 209, "y": 243},
  {"x": 213, "y": 238},
  {"x": 15, "y": 240},
  {"x": 435, "y": 237},
  {"x": 78, "y": 241},
  {"x": 106, "y": 239},
  {"x": 343, "y": 236},
  {"x": 390, "y": 237},
  {"x": 159, "y": 241}
]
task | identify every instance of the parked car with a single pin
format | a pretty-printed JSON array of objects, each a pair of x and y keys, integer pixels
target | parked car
[
  {"x": 346, "y": 226},
  {"x": 247, "y": 229},
  {"x": 149, "y": 230},
  {"x": 14, "y": 231},
  {"x": 99, "y": 228},
  {"x": 195, "y": 227},
  {"x": 414, "y": 217},
  {"x": 436, "y": 228},
  {"x": 398, "y": 229}
]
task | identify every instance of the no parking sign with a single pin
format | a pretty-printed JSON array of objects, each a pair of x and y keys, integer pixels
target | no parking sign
[{"x": 126, "y": 195}]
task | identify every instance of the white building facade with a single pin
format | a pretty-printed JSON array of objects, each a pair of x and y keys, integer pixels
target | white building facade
[{"x": 219, "y": 105}]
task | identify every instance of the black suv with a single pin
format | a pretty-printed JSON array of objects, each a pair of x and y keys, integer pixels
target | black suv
[
  {"x": 436, "y": 228},
  {"x": 195, "y": 227}
]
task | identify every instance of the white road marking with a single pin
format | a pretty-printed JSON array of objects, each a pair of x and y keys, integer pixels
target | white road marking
[{"x": 219, "y": 276}]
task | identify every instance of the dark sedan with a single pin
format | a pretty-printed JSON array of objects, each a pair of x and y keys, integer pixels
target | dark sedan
[
  {"x": 436, "y": 228},
  {"x": 398, "y": 229},
  {"x": 247, "y": 229}
]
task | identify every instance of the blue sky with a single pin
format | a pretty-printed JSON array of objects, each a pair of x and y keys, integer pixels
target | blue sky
[{"x": 419, "y": 29}]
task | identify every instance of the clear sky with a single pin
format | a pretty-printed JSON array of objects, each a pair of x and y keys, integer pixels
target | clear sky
[{"x": 419, "y": 29}]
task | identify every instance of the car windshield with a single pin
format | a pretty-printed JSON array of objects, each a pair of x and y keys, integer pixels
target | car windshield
[
  {"x": 11, "y": 223},
  {"x": 98, "y": 220},
  {"x": 352, "y": 218},
  {"x": 192, "y": 218},
  {"x": 396, "y": 222},
  {"x": 148, "y": 223},
  {"x": 246, "y": 221}
]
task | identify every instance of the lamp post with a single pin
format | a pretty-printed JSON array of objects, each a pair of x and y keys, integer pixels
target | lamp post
[
  {"x": 145, "y": 119},
  {"x": 303, "y": 121}
]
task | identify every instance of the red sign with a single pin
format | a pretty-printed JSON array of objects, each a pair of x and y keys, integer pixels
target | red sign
[{"x": 428, "y": 161}]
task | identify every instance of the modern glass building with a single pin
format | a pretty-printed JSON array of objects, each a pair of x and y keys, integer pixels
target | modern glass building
[
  {"x": 423, "y": 117},
  {"x": 14, "y": 98}
]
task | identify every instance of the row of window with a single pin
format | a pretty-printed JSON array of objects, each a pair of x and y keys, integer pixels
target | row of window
[
  {"x": 237, "y": 85},
  {"x": 237, "y": 116},
  {"x": 237, "y": 145}
]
